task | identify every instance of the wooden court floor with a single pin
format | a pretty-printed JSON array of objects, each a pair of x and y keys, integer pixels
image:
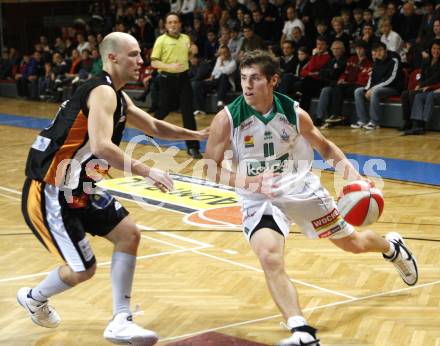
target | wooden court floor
[{"x": 190, "y": 281}]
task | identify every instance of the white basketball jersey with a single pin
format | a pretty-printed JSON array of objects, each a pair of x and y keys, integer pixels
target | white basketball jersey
[{"x": 269, "y": 142}]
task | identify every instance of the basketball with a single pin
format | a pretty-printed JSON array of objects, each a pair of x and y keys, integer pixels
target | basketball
[{"x": 360, "y": 204}]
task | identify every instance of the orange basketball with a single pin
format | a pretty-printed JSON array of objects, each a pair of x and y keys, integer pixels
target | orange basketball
[{"x": 360, "y": 204}]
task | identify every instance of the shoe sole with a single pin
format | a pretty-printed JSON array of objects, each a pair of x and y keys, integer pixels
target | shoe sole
[
  {"x": 137, "y": 341},
  {"x": 32, "y": 315}
]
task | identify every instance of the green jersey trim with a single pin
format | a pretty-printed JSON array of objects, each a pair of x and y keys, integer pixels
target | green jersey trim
[{"x": 240, "y": 111}]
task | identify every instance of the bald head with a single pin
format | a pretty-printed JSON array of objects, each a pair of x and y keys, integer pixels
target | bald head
[{"x": 114, "y": 42}]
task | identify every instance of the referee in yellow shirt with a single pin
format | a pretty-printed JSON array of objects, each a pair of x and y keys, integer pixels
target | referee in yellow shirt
[{"x": 170, "y": 56}]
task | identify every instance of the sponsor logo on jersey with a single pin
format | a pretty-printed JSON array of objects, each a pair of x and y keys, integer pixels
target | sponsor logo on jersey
[
  {"x": 326, "y": 220},
  {"x": 249, "y": 141},
  {"x": 283, "y": 119},
  {"x": 247, "y": 124},
  {"x": 329, "y": 232},
  {"x": 284, "y": 136},
  {"x": 278, "y": 165},
  {"x": 267, "y": 135},
  {"x": 41, "y": 143}
]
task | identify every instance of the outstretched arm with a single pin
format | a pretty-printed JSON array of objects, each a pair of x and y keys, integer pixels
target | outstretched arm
[
  {"x": 328, "y": 150},
  {"x": 159, "y": 128},
  {"x": 100, "y": 130}
]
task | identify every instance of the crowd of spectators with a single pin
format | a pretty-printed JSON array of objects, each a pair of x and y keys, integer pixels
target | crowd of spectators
[{"x": 332, "y": 49}]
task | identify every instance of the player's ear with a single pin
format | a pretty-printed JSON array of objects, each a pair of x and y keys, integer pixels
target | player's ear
[
  {"x": 112, "y": 57},
  {"x": 274, "y": 80}
]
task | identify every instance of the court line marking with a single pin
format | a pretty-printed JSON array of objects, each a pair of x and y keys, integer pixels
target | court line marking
[
  {"x": 10, "y": 190},
  {"x": 10, "y": 197},
  {"x": 196, "y": 250},
  {"x": 309, "y": 309},
  {"x": 103, "y": 264},
  {"x": 245, "y": 265},
  {"x": 227, "y": 261}
]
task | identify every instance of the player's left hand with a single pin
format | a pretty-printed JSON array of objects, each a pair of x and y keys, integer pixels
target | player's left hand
[{"x": 202, "y": 134}]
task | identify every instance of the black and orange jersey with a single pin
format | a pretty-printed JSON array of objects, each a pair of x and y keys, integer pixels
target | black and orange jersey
[{"x": 61, "y": 153}]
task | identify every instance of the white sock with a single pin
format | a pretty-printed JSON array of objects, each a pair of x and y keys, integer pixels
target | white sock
[
  {"x": 296, "y": 321},
  {"x": 391, "y": 251},
  {"x": 50, "y": 286},
  {"x": 122, "y": 273}
]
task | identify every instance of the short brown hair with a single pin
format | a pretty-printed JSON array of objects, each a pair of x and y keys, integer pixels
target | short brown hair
[{"x": 268, "y": 65}]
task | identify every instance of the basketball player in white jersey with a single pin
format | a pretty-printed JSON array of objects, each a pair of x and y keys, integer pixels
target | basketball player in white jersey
[{"x": 272, "y": 141}]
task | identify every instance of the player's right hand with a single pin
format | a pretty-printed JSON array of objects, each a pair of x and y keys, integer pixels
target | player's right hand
[
  {"x": 160, "y": 179},
  {"x": 264, "y": 183}
]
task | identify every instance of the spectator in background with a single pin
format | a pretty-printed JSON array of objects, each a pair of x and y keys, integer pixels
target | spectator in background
[
  {"x": 198, "y": 33},
  {"x": 27, "y": 82},
  {"x": 288, "y": 60},
  {"x": 394, "y": 16},
  {"x": 211, "y": 46},
  {"x": 410, "y": 23},
  {"x": 46, "y": 82},
  {"x": 96, "y": 62},
  {"x": 226, "y": 20},
  {"x": 225, "y": 36},
  {"x": 212, "y": 8},
  {"x": 187, "y": 11},
  {"x": 429, "y": 79},
  {"x": 211, "y": 23},
  {"x": 262, "y": 28},
  {"x": 251, "y": 41},
  {"x": 367, "y": 17},
  {"x": 59, "y": 46},
  {"x": 348, "y": 21},
  {"x": 235, "y": 43},
  {"x": 322, "y": 30},
  {"x": 310, "y": 72},
  {"x": 356, "y": 74},
  {"x": 45, "y": 47},
  {"x": 369, "y": 37},
  {"x": 143, "y": 31},
  {"x": 358, "y": 22},
  {"x": 175, "y": 5},
  {"x": 220, "y": 80},
  {"x": 390, "y": 38},
  {"x": 290, "y": 83},
  {"x": 93, "y": 43},
  {"x": 59, "y": 70},
  {"x": 240, "y": 19},
  {"x": 338, "y": 33},
  {"x": 298, "y": 39},
  {"x": 421, "y": 111},
  {"x": 425, "y": 32},
  {"x": 5, "y": 65},
  {"x": 82, "y": 43},
  {"x": 15, "y": 59},
  {"x": 233, "y": 5},
  {"x": 75, "y": 65},
  {"x": 291, "y": 22},
  {"x": 386, "y": 80},
  {"x": 327, "y": 77},
  {"x": 19, "y": 80}
]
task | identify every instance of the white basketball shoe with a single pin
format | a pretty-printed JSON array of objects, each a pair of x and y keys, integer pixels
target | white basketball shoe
[
  {"x": 122, "y": 330},
  {"x": 403, "y": 259},
  {"x": 41, "y": 313},
  {"x": 302, "y": 336}
]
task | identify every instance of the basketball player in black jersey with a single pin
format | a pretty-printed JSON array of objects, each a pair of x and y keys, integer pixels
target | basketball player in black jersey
[{"x": 60, "y": 203}]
